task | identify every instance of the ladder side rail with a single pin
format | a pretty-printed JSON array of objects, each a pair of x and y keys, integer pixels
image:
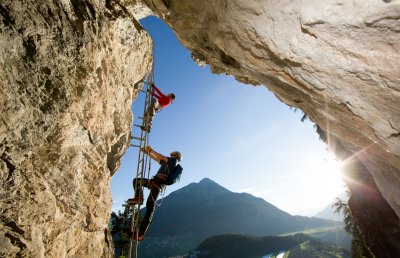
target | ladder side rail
[{"x": 140, "y": 169}]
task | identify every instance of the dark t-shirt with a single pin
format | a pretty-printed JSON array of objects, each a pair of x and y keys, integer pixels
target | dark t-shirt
[{"x": 167, "y": 166}]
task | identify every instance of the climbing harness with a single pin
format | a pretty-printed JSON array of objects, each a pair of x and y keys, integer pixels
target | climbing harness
[
  {"x": 162, "y": 191},
  {"x": 162, "y": 197},
  {"x": 143, "y": 165}
]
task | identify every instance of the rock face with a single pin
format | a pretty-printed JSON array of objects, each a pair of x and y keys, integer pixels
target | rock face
[
  {"x": 70, "y": 70},
  {"x": 69, "y": 73},
  {"x": 335, "y": 60}
]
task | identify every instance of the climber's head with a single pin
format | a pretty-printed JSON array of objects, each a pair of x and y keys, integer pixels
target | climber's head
[
  {"x": 177, "y": 155},
  {"x": 172, "y": 96}
]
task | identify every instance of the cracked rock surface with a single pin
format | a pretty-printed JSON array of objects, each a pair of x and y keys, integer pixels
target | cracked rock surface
[{"x": 69, "y": 73}]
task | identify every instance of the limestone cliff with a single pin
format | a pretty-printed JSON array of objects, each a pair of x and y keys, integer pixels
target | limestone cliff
[
  {"x": 335, "y": 60},
  {"x": 69, "y": 73},
  {"x": 71, "y": 68}
]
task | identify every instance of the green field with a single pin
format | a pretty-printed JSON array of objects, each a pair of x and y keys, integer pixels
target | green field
[
  {"x": 333, "y": 235},
  {"x": 315, "y": 231},
  {"x": 315, "y": 249}
]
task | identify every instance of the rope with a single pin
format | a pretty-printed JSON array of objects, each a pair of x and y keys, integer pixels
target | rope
[{"x": 162, "y": 198}]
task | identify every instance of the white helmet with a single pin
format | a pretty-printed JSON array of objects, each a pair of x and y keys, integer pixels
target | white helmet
[{"x": 177, "y": 155}]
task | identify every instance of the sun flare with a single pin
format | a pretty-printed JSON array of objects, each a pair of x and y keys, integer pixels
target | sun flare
[
  {"x": 332, "y": 164},
  {"x": 327, "y": 175}
]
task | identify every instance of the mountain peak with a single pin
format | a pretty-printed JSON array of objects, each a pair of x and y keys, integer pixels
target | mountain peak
[
  {"x": 205, "y": 186},
  {"x": 209, "y": 185},
  {"x": 206, "y": 180},
  {"x": 217, "y": 210}
]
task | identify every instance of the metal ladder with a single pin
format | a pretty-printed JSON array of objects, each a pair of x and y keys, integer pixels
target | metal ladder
[{"x": 143, "y": 164}]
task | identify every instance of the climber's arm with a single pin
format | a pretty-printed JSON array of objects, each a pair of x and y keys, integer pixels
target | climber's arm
[
  {"x": 157, "y": 92},
  {"x": 154, "y": 154}
]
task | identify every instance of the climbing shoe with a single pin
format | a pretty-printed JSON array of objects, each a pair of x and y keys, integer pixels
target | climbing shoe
[
  {"x": 136, "y": 200},
  {"x": 139, "y": 237}
]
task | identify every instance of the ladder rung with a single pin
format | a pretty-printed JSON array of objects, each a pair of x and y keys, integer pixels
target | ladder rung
[
  {"x": 143, "y": 91},
  {"x": 137, "y": 125},
  {"x": 137, "y": 138},
  {"x": 140, "y": 117},
  {"x": 134, "y": 145}
]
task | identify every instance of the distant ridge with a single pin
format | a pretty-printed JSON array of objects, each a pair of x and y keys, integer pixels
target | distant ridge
[
  {"x": 200, "y": 210},
  {"x": 205, "y": 209},
  {"x": 329, "y": 213}
]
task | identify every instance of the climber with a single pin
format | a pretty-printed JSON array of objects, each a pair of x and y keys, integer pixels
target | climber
[
  {"x": 168, "y": 174},
  {"x": 158, "y": 102}
]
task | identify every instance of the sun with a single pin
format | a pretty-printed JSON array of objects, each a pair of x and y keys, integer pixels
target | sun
[
  {"x": 326, "y": 176},
  {"x": 315, "y": 184},
  {"x": 332, "y": 164}
]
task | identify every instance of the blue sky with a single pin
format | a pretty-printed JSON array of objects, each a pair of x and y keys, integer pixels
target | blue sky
[{"x": 238, "y": 135}]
